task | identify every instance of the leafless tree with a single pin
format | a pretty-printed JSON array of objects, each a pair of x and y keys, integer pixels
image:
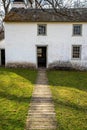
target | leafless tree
[
  {"x": 5, "y": 4},
  {"x": 58, "y": 4},
  {"x": 60, "y": 7},
  {"x": 46, "y": 4}
]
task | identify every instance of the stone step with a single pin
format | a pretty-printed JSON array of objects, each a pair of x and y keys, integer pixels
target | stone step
[
  {"x": 41, "y": 112},
  {"x": 41, "y": 95},
  {"x": 42, "y": 87},
  {"x": 41, "y": 115},
  {"x": 41, "y": 109},
  {"x": 41, "y": 119},
  {"x": 42, "y": 104},
  {"x": 46, "y": 127},
  {"x": 41, "y": 98},
  {"x": 41, "y": 83},
  {"x": 42, "y": 101},
  {"x": 41, "y": 128},
  {"x": 42, "y": 90},
  {"x": 41, "y": 123},
  {"x": 43, "y": 80},
  {"x": 45, "y": 108},
  {"x": 38, "y": 113}
]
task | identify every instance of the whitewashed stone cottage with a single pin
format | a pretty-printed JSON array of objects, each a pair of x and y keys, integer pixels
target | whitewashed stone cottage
[{"x": 36, "y": 38}]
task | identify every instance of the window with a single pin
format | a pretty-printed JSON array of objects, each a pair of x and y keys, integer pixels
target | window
[
  {"x": 76, "y": 52},
  {"x": 39, "y": 52},
  {"x": 77, "y": 30},
  {"x": 42, "y": 29}
]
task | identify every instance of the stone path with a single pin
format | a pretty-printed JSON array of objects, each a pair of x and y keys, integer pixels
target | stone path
[{"x": 41, "y": 115}]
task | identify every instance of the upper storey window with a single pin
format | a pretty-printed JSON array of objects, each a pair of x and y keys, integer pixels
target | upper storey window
[
  {"x": 77, "y": 29},
  {"x": 42, "y": 29}
]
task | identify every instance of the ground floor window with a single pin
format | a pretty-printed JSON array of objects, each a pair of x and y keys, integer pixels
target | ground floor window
[{"x": 76, "y": 51}]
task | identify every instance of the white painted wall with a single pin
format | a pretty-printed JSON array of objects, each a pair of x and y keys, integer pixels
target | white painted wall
[{"x": 21, "y": 40}]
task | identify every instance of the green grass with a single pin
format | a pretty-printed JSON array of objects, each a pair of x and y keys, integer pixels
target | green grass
[
  {"x": 69, "y": 89},
  {"x": 16, "y": 86}
]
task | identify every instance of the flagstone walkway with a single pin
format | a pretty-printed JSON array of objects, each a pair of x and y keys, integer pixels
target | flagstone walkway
[{"x": 41, "y": 115}]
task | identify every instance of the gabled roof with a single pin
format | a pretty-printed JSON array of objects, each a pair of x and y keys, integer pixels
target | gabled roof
[{"x": 48, "y": 15}]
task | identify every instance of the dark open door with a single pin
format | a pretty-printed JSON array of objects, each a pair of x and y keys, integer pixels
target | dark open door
[
  {"x": 41, "y": 56},
  {"x": 2, "y": 57}
]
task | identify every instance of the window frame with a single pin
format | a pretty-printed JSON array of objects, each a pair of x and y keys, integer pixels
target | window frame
[
  {"x": 80, "y": 30},
  {"x": 78, "y": 58},
  {"x": 38, "y": 29}
]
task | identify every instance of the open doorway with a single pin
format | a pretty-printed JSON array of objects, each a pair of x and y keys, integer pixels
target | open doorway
[
  {"x": 2, "y": 57},
  {"x": 41, "y": 56}
]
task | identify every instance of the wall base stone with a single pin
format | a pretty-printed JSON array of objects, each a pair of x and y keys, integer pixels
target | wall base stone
[
  {"x": 67, "y": 65},
  {"x": 21, "y": 65}
]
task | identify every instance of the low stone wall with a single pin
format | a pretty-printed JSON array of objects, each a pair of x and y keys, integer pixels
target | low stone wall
[
  {"x": 63, "y": 65},
  {"x": 21, "y": 65}
]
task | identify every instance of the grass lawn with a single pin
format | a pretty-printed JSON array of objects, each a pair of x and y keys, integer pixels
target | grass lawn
[
  {"x": 16, "y": 86},
  {"x": 69, "y": 89}
]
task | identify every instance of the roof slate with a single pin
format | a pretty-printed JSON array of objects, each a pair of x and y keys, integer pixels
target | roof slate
[{"x": 48, "y": 15}]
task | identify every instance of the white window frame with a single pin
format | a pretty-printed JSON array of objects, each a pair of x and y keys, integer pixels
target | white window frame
[
  {"x": 42, "y": 34},
  {"x": 76, "y": 58},
  {"x": 77, "y": 34}
]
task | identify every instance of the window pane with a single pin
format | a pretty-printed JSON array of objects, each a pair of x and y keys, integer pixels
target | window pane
[
  {"x": 76, "y": 52},
  {"x": 77, "y": 29},
  {"x": 41, "y": 29}
]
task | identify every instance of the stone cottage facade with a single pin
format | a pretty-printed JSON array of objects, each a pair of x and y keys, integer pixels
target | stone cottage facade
[{"x": 36, "y": 38}]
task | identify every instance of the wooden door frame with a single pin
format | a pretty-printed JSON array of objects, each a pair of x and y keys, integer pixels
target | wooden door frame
[{"x": 46, "y": 55}]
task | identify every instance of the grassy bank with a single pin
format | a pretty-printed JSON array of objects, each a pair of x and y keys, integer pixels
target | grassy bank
[
  {"x": 69, "y": 89},
  {"x": 16, "y": 86}
]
